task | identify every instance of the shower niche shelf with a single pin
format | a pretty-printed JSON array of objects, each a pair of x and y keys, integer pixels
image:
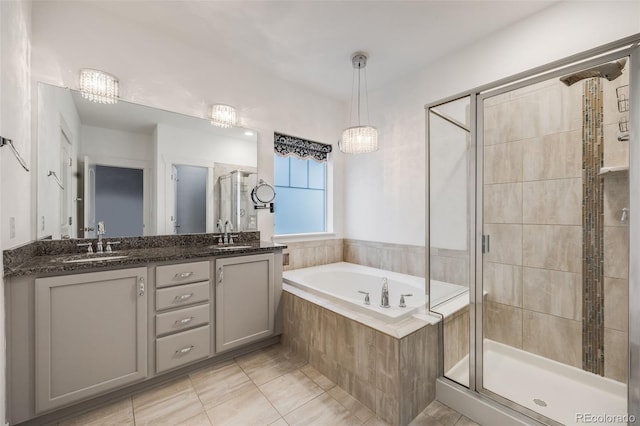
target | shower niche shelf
[{"x": 613, "y": 169}]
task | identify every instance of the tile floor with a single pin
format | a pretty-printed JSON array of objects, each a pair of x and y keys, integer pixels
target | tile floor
[{"x": 267, "y": 387}]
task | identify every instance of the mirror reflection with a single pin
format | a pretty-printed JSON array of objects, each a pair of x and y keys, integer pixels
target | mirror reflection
[{"x": 140, "y": 170}]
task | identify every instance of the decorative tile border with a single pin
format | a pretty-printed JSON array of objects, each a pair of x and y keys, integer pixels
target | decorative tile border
[{"x": 592, "y": 228}]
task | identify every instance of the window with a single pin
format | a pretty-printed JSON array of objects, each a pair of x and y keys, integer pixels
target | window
[{"x": 300, "y": 175}]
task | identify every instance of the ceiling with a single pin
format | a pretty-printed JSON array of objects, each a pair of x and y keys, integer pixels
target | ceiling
[{"x": 311, "y": 42}]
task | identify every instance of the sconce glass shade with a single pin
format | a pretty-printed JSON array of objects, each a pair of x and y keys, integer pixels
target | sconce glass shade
[
  {"x": 223, "y": 116},
  {"x": 98, "y": 86},
  {"x": 359, "y": 140}
]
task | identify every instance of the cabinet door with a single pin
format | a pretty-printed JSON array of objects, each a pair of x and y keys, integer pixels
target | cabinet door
[
  {"x": 245, "y": 309},
  {"x": 91, "y": 334}
]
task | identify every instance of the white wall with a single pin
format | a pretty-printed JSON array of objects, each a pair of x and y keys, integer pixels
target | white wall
[
  {"x": 159, "y": 71},
  {"x": 55, "y": 107},
  {"x": 16, "y": 124},
  {"x": 15, "y": 108},
  {"x": 385, "y": 191},
  {"x": 195, "y": 148},
  {"x": 98, "y": 142}
]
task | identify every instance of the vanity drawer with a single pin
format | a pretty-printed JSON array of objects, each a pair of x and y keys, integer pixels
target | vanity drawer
[
  {"x": 182, "y": 319},
  {"x": 182, "y": 295},
  {"x": 182, "y": 348},
  {"x": 181, "y": 273}
]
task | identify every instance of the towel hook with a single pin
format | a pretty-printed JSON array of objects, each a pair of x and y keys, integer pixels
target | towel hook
[
  {"x": 55, "y": 176},
  {"x": 9, "y": 142}
]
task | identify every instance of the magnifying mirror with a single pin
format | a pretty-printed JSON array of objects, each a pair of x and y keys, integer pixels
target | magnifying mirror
[{"x": 263, "y": 194}]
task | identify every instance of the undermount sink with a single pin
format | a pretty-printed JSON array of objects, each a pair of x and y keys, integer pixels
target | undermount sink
[
  {"x": 94, "y": 259},
  {"x": 229, "y": 247}
]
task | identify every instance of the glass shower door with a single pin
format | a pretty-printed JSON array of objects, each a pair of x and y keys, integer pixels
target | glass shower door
[
  {"x": 451, "y": 245},
  {"x": 553, "y": 208}
]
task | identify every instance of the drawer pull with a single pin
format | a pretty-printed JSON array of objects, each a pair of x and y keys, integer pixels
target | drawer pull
[
  {"x": 184, "y": 321},
  {"x": 183, "y": 275},
  {"x": 183, "y": 297},
  {"x": 185, "y": 350}
]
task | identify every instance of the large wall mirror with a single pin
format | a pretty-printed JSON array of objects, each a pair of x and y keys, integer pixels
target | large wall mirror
[{"x": 139, "y": 170}]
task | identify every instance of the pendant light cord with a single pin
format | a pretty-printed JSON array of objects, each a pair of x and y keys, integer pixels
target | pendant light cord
[{"x": 359, "y": 72}]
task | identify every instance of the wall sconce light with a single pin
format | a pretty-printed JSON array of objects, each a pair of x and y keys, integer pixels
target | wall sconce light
[
  {"x": 98, "y": 86},
  {"x": 223, "y": 116},
  {"x": 359, "y": 139}
]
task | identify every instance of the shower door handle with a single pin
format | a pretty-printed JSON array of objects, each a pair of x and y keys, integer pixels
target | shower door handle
[{"x": 486, "y": 243}]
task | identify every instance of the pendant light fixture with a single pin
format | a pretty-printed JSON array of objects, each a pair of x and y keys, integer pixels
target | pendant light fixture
[
  {"x": 98, "y": 86},
  {"x": 359, "y": 139}
]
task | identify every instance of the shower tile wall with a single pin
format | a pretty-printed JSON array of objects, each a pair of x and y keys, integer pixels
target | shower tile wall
[
  {"x": 616, "y": 239},
  {"x": 533, "y": 212}
]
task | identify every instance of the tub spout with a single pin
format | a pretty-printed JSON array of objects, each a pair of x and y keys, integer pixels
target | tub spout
[{"x": 384, "y": 300}]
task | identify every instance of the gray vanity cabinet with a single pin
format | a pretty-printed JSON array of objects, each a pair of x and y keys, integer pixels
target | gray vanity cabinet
[
  {"x": 91, "y": 334},
  {"x": 245, "y": 300}
]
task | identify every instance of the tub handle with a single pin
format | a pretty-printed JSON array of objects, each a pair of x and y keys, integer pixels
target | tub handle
[
  {"x": 366, "y": 297},
  {"x": 402, "y": 296}
]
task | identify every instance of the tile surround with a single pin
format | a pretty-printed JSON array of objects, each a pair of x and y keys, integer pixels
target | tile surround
[
  {"x": 540, "y": 225},
  {"x": 564, "y": 344},
  {"x": 449, "y": 266},
  {"x": 554, "y": 156},
  {"x": 393, "y": 377},
  {"x": 402, "y": 258},
  {"x": 503, "y": 324}
]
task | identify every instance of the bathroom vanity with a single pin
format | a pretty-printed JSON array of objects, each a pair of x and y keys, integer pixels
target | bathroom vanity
[{"x": 78, "y": 329}]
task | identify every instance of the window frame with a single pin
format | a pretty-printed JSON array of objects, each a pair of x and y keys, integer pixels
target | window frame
[{"x": 328, "y": 205}]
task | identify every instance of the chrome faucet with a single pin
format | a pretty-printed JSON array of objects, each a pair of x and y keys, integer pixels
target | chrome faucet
[
  {"x": 384, "y": 300},
  {"x": 227, "y": 227},
  {"x": 100, "y": 233}
]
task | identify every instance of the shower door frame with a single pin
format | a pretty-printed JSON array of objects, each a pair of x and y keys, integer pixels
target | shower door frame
[{"x": 627, "y": 47}]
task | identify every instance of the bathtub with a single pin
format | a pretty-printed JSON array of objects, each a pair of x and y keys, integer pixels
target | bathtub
[{"x": 341, "y": 283}]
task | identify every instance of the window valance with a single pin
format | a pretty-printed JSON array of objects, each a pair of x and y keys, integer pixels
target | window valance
[{"x": 285, "y": 145}]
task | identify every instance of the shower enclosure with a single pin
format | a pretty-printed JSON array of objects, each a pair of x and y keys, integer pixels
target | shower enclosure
[
  {"x": 235, "y": 200},
  {"x": 530, "y": 209}
]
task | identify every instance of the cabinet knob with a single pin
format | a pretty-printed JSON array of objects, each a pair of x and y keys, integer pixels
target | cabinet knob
[{"x": 140, "y": 286}]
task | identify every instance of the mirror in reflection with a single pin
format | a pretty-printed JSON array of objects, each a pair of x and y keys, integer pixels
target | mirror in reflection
[{"x": 140, "y": 170}]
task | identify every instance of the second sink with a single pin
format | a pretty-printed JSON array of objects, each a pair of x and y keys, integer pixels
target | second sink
[
  {"x": 229, "y": 247},
  {"x": 94, "y": 259}
]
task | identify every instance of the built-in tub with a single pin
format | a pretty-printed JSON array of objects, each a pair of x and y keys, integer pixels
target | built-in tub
[{"x": 342, "y": 282}]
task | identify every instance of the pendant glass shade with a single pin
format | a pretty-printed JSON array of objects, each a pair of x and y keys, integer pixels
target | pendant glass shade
[
  {"x": 359, "y": 140},
  {"x": 223, "y": 116},
  {"x": 98, "y": 86}
]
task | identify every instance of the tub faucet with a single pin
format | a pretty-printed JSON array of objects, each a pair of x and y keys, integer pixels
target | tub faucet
[{"x": 384, "y": 300}]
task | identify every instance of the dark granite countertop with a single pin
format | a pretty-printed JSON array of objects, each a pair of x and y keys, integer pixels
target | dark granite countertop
[{"x": 42, "y": 261}]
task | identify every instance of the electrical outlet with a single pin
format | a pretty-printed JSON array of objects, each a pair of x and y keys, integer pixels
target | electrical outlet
[
  {"x": 12, "y": 227},
  {"x": 43, "y": 223},
  {"x": 285, "y": 259}
]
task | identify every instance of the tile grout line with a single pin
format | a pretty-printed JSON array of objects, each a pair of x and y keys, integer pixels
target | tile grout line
[
  {"x": 260, "y": 390},
  {"x": 206, "y": 413},
  {"x": 133, "y": 413},
  {"x": 292, "y": 410}
]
